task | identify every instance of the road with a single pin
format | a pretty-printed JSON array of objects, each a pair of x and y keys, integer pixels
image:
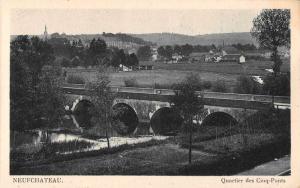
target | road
[{"x": 276, "y": 167}]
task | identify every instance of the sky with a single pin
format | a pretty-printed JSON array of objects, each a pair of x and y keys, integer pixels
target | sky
[{"x": 92, "y": 21}]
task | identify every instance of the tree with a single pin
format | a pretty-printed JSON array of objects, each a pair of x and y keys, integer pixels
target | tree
[
  {"x": 178, "y": 49},
  {"x": 165, "y": 51},
  {"x": 271, "y": 28},
  {"x": 118, "y": 58},
  {"x": 97, "y": 47},
  {"x": 132, "y": 60},
  {"x": 168, "y": 52},
  {"x": 280, "y": 85},
  {"x": 245, "y": 84},
  {"x": 96, "y": 51},
  {"x": 53, "y": 98},
  {"x": 161, "y": 51},
  {"x": 102, "y": 99},
  {"x": 188, "y": 103},
  {"x": 144, "y": 53},
  {"x": 186, "y": 49},
  {"x": 34, "y": 92}
]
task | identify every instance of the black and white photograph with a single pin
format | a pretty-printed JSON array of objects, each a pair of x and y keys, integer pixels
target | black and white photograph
[{"x": 150, "y": 92}]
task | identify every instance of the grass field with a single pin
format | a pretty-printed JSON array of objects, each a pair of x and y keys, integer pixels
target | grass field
[
  {"x": 168, "y": 74},
  {"x": 147, "y": 78},
  {"x": 251, "y": 67}
]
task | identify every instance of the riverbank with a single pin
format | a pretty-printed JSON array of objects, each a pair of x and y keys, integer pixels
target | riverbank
[
  {"x": 217, "y": 150},
  {"x": 160, "y": 158}
]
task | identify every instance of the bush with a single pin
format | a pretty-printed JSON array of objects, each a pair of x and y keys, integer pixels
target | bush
[
  {"x": 279, "y": 85},
  {"x": 130, "y": 82},
  {"x": 66, "y": 63},
  {"x": 271, "y": 120},
  {"x": 246, "y": 84},
  {"x": 207, "y": 84},
  {"x": 162, "y": 86},
  {"x": 194, "y": 81},
  {"x": 219, "y": 86},
  {"x": 73, "y": 79}
]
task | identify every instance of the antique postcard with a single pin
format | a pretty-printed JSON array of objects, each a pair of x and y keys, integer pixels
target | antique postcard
[{"x": 150, "y": 93}]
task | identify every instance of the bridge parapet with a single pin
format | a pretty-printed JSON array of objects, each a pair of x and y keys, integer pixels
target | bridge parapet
[{"x": 249, "y": 97}]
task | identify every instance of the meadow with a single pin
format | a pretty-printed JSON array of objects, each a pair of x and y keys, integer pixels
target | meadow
[
  {"x": 251, "y": 67},
  {"x": 164, "y": 75}
]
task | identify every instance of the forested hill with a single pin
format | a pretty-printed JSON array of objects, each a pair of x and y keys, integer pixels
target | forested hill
[
  {"x": 108, "y": 37},
  {"x": 208, "y": 39},
  {"x": 162, "y": 39}
]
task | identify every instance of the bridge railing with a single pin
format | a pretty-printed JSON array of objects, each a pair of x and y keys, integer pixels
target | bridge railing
[{"x": 232, "y": 96}]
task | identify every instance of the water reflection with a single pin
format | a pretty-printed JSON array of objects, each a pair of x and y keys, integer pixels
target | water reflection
[
  {"x": 33, "y": 141},
  {"x": 74, "y": 128}
]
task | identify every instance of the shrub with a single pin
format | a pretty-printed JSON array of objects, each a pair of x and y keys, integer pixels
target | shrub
[
  {"x": 66, "y": 63},
  {"x": 271, "y": 120},
  {"x": 193, "y": 80},
  {"x": 279, "y": 85},
  {"x": 246, "y": 84},
  {"x": 73, "y": 79},
  {"x": 130, "y": 82},
  {"x": 219, "y": 86},
  {"x": 207, "y": 84},
  {"x": 162, "y": 86}
]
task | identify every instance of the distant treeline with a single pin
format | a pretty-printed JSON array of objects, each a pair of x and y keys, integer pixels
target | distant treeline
[
  {"x": 187, "y": 49},
  {"x": 127, "y": 38},
  {"x": 95, "y": 54}
]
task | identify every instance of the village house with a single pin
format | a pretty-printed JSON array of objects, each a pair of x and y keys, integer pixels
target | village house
[
  {"x": 197, "y": 57},
  {"x": 143, "y": 65},
  {"x": 226, "y": 50},
  {"x": 231, "y": 54},
  {"x": 176, "y": 58},
  {"x": 131, "y": 51},
  {"x": 215, "y": 58},
  {"x": 234, "y": 58},
  {"x": 125, "y": 68},
  {"x": 154, "y": 53}
]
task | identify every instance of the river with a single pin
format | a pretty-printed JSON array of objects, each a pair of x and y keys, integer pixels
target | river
[{"x": 32, "y": 141}]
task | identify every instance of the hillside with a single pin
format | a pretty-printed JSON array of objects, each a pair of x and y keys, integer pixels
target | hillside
[
  {"x": 168, "y": 38},
  {"x": 108, "y": 37},
  {"x": 208, "y": 39}
]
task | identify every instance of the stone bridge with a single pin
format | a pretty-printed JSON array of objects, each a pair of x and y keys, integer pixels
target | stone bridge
[{"x": 153, "y": 105}]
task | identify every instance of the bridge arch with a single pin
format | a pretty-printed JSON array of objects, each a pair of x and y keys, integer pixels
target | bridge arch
[
  {"x": 82, "y": 110},
  {"x": 125, "y": 119},
  {"x": 165, "y": 121},
  {"x": 219, "y": 119}
]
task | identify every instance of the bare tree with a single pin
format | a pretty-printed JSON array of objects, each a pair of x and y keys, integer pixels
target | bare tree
[{"x": 102, "y": 99}]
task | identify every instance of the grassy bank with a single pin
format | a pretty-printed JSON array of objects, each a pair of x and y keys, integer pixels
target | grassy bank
[
  {"x": 42, "y": 159},
  {"x": 161, "y": 159},
  {"x": 239, "y": 160},
  {"x": 261, "y": 138}
]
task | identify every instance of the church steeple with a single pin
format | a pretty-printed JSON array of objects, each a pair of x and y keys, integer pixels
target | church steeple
[{"x": 45, "y": 33}]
